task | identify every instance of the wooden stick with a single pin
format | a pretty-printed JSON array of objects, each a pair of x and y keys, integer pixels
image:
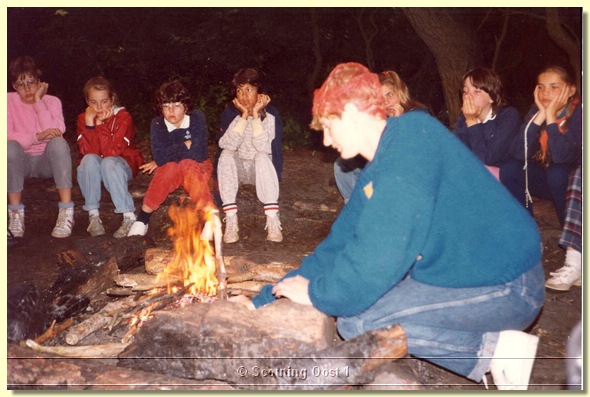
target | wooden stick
[
  {"x": 108, "y": 350},
  {"x": 52, "y": 330}
]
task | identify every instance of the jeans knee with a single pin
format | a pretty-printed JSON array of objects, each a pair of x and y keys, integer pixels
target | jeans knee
[
  {"x": 89, "y": 162},
  {"x": 349, "y": 327}
]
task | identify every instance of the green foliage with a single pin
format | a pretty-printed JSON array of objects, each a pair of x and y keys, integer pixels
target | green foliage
[{"x": 294, "y": 134}]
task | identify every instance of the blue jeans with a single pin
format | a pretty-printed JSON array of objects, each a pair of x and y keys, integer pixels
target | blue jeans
[
  {"x": 346, "y": 172},
  {"x": 114, "y": 172},
  {"x": 456, "y": 328},
  {"x": 547, "y": 183}
]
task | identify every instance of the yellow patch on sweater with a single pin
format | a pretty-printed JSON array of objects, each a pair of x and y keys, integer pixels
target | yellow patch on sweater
[{"x": 368, "y": 189}]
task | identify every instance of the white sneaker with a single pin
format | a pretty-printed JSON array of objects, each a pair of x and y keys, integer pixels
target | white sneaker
[
  {"x": 95, "y": 227},
  {"x": 138, "y": 229},
  {"x": 231, "y": 229},
  {"x": 123, "y": 230},
  {"x": 563, "y": 278},
  {"x": 65, "y": 223},
  {"x": 273, "y": 225},
  {"x": 16, "y": 222},
  {"x": 513, "y": 360}
]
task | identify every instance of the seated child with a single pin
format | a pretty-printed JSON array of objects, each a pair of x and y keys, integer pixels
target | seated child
[
  {"x": 107, "y": 155},
  {"x": 486, "y": 124},
  {"x": 36, "y": 147},
  {"x": 179, "y": 148},
  {"x": 250, "y": 153}
]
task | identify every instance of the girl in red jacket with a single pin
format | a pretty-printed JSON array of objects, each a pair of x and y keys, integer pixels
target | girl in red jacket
[{"x": 107, "y": 155}]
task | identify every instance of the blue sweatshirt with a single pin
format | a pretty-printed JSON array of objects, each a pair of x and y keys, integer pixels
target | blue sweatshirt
[
  {"x": 169, "y": 146},
  {"x": 490, "y": 141},
  {"x": 427, "y": 206},
  {"x": 564, "y": 148}
]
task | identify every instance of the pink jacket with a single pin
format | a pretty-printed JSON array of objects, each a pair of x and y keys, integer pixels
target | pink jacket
[{"x": 25, "y": 121}]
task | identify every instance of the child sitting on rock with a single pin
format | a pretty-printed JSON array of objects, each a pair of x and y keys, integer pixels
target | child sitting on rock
[{"x": 179, "y": 147}]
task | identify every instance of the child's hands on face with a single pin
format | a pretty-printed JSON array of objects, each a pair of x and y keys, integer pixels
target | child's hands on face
[
  {"x": 103, "y": 115},
  {"x": 241, "y": 108},
  {"x": 398, "y": 110},
  {"x": 260, "y": 104},
  {"x": 470, "y": 111},
  {"x": 558, "y": 102},
  {"x": 41, "y": 90},
  {"x": 89, "y": 115}
]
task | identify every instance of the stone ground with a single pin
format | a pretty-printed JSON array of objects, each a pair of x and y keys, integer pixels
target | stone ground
[{"x": 309, "y": 204}]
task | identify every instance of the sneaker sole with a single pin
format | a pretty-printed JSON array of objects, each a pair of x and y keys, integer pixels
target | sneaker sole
[{"x": 563, "y": 287}]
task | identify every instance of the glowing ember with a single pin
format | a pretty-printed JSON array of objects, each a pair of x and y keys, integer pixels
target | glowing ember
[{"x": 194, "y": 259}]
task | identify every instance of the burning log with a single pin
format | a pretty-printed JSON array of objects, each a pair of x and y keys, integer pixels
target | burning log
[
  {"x": 98, "y": 320},
  {"x": 139, "y": 281}
]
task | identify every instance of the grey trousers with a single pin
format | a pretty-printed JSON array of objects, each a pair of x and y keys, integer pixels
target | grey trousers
[
  {"x": 232, "y": 171},
  {"x": 55, "y": 162}
]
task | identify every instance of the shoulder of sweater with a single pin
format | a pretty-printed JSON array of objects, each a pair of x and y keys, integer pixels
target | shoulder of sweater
[
  {"x": 197, "y": 113},
  {"x": 509, "y": 111}
]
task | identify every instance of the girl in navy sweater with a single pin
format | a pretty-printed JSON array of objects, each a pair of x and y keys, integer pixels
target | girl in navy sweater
[
  {"x": 179, "y": 141},
  {"x": 549, "y": 144},
  {"x": 486, "y": 125}
]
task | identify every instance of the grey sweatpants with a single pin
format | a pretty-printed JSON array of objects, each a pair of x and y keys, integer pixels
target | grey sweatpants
[{"x": 232, "y": 171}]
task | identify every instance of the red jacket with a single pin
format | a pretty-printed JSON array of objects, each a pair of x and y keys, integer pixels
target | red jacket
[{"x": 114, "y": 137}]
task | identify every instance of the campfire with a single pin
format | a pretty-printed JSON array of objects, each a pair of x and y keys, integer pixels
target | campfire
[
  {"x": 194, "y": 261},
  {"x": 180, "y": 298}
]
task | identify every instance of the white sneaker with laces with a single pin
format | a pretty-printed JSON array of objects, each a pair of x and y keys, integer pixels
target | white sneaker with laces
[
  {"x": 95, "y": 227},
  {"x": 138, "y": 229},
  {"x": 273, "y": 225},
  {"x": 563, "y": 278},
  {"x": 65, "y": 223},
  {"x": 16, "y": 222},
  {"x": 230, "y": 235},
  {"x": 513, "y": 360},
  {"x": 123, "y": 230}
]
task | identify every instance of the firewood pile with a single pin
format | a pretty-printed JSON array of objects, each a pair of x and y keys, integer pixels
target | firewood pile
[{"x": 128, "y": 331}]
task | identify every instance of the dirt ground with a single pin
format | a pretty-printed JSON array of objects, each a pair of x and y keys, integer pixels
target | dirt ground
[{"x": 309, "y": 204}]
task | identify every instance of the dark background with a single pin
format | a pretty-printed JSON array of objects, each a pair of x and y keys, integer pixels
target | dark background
[{"x": 295, "y": 48}]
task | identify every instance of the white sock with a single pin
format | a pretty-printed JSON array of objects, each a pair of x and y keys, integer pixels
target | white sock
[
  {"x": 129, "y": 215},
  {"x": 573, "y": 258},
  {"x": 93, "y": 212}
]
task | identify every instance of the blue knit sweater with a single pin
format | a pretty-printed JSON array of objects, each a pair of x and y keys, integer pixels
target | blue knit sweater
[
  {"x": 169, "y": 146},
  {"x": 427, "y": 206}
]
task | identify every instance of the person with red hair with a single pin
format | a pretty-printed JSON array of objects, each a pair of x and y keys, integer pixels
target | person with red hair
[{"x": 418, "y": 242}]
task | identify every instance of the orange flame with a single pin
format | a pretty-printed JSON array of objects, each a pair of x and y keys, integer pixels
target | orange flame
[{"x": 194, "y": 259}]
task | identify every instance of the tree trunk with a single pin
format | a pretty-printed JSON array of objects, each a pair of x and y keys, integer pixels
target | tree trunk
[
  {"x": 566, "y": 42},
  {"x": 454, "y": 47},
  {"x": 317, "y": 53}
]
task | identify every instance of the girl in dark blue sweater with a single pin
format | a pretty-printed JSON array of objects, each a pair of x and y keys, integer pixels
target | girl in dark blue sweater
[{"x": 549, "y": 145}]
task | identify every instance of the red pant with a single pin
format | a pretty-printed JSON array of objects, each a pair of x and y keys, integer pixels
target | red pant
[{"x": 191, "y": 175}]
